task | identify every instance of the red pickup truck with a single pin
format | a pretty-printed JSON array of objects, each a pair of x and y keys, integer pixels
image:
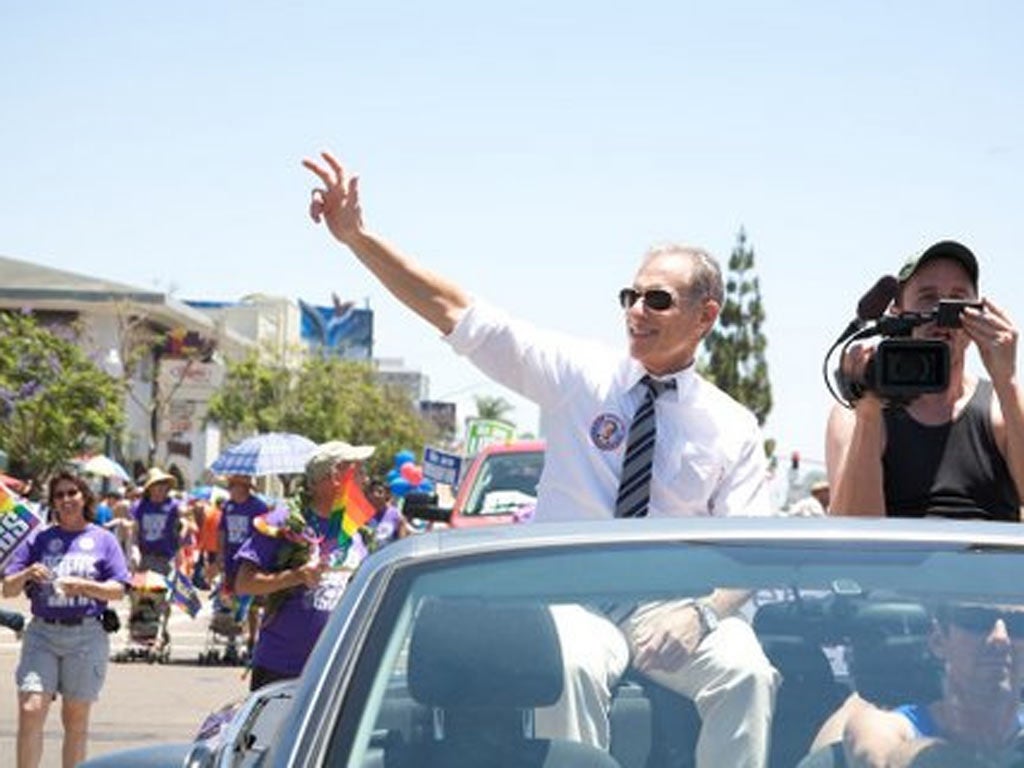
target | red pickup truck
[{"x": 499, "y": 487}]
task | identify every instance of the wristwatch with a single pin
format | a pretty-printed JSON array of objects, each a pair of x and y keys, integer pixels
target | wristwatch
[{"x": 708, "y": 617}]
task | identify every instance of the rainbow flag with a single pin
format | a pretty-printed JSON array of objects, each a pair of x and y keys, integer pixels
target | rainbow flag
[
  {"x": 351, "y": 504},
  {"x": 16, "y": 521}
]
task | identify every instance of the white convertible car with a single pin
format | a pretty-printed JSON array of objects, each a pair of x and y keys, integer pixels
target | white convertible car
[{"x": 443, "y": 645}]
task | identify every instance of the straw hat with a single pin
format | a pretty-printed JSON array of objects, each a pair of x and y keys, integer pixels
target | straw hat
[{"x": 156, "y": 475}]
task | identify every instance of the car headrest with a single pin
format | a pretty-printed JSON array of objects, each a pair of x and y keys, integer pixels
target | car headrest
[{"x": 465, "y": 653}]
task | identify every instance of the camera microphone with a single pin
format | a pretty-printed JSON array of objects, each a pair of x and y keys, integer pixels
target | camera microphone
[{"x": 872, "y": 305}]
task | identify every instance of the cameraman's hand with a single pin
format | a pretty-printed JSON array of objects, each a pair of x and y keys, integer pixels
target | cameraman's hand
[
  {"x": 996, "y": 336},
  {"x": 854, "y": 366}
]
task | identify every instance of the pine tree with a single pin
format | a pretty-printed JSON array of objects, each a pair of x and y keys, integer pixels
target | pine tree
[{"x": 734, "y": 351}]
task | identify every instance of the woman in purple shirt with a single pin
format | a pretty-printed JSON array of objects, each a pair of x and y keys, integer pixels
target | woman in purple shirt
[{"x": 70, "y": 570}]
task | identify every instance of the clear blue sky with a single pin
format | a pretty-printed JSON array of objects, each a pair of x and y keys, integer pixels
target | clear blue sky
[{"x": 532, "y": 150}]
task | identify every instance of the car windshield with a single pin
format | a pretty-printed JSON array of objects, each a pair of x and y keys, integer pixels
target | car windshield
[
  {"x": 505, "y": 483},
  {"x": 472, "y": 649}
]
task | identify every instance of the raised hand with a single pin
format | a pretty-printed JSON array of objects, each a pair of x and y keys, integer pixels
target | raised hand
[{"x": 336, "y": 203}]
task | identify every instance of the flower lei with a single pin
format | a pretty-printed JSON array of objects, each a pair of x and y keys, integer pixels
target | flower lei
[{"x": 300, "y": 544}]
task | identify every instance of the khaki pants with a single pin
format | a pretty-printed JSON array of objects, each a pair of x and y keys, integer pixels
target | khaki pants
[{"x": 729, "y": 679}]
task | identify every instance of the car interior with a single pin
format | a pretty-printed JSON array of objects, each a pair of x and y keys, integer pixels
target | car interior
[{"x": 475, "y": 671}]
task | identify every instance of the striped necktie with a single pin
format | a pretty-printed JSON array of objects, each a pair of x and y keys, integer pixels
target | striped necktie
[{"x": 635, "y": 482}]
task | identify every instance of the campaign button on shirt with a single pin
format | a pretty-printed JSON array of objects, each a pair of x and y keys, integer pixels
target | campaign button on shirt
[{"x": 608, "y": 431}]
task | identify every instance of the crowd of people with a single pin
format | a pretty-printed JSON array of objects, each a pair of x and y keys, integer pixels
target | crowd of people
[{"x": 88, "y": 554}]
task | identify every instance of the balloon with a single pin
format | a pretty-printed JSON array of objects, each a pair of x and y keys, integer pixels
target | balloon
[
  {"x": 404, "y": 457},
  {"x": 412, "y": 473},
  {"x": 393, "y": 474},
  {"x": 400, "y": 487},
  {"x": 427, "y": 486}
]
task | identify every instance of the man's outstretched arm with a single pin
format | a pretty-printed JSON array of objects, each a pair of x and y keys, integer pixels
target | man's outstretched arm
[{"x": 434, "y": 298}]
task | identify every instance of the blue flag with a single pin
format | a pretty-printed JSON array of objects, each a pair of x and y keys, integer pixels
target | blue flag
[{"x": 183, "y": 593}]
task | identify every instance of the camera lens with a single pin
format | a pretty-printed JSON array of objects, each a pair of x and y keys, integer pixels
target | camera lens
[
  {"x": 914, "y": 367},
  {"x": 907, "y": 368}
]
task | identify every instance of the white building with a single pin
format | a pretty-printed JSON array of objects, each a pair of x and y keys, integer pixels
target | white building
[{"x": 170, "y": 356}]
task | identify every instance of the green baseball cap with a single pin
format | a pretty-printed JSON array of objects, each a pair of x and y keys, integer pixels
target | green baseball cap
[{"x": 944, "y": 249}]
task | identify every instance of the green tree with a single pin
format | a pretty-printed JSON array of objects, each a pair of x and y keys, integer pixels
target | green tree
[
  {"x": 326, "y": 399},
  {"x": 734, "y": 351},
  {"x": 493, "y": 407},
  {"x": 254, "y": 398},
  {"x": 54, "y": 401}
]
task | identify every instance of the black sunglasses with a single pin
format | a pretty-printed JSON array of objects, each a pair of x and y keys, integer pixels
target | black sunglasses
[
  {"x": 657, "y": 299},
  {"x": 68, "y": 494},
  {"x": 980, "y": 620}
]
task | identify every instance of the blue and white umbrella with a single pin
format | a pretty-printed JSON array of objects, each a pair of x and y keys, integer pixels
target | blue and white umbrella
[
  {"x": 274, "y": 453},
  {"x": 104, "y": 466}
]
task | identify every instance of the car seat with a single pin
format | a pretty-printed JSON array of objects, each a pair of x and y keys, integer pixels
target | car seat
[
  {"x": 483, "y": 668},
  {"x": 891, "y": 662}
]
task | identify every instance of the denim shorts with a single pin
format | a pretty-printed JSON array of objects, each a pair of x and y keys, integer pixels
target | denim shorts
[{"x": 69, "y": 660}]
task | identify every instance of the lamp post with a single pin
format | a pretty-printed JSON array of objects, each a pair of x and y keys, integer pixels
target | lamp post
[{"x": 114, "y": 367}]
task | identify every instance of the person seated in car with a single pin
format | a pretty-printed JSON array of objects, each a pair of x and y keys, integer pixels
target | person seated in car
[
  {"x": 977, "y": 721},
  {"x": 957, "y": 453}
]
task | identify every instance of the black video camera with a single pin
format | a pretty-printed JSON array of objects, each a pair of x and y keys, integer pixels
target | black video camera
[{"x": 903, "y": 368}]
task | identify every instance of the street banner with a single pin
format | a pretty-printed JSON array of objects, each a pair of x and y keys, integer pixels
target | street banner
[
  {"x": 441, "y": 466},
  {"x": 483, "y": 432},
  {"x": 16, "y": 522}
]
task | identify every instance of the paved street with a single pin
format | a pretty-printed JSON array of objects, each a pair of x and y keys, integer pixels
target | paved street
[{"x": 141, "y": 703}]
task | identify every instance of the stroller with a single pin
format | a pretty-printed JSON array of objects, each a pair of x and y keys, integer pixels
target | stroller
[
  {"x": 227, "y": 624},
  {"x": 148, "y": 636}
]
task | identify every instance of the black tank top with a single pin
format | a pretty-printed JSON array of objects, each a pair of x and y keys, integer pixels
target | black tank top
[{"x": 950, "y": 470}]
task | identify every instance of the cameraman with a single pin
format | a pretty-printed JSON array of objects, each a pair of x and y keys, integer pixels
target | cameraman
[{"x": 957, "y": 453}]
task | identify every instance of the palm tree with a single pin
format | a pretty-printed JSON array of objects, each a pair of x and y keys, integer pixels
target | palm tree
[{"x": 494, "y": 408}]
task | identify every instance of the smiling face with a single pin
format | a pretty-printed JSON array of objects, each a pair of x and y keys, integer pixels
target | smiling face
[
  {"x": 71, "y": 501},
  {"x": 934, "y": 280},
  {"x": 665, "y": 341}
]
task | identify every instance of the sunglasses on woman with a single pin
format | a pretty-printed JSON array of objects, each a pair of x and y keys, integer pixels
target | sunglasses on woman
[
  {"x": 980, "y": 620},
  {"x": 657, "y": 299},
  {"x": 68, "y": 493}
]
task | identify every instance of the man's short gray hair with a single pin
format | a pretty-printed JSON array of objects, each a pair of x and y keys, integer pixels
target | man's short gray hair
[{"x": 706, "y": 280}]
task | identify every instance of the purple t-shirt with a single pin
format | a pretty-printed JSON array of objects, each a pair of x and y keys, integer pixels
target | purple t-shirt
[
  {"x": 386, "y": 525},
  {"x": 92, "y": 553},
  {"x": 235, "y": 527},
  {"x": 157, "y": 526},
  {"x": 288, "y": 634}
]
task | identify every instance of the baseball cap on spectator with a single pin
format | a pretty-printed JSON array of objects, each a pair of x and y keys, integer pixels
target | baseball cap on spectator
[
  {"x": 944, "y": 249},
  {"x": 328, "y": 455}
]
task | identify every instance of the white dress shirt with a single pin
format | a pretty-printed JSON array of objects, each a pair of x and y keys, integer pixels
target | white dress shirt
[{"x": 709, "y": 456}]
